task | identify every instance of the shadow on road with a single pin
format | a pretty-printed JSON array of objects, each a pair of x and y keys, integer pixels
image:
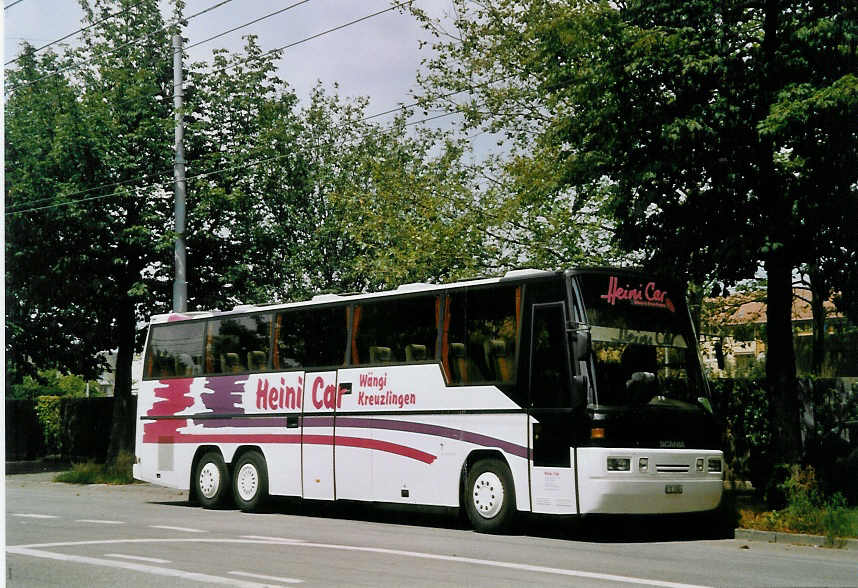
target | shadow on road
[{"x": 597, "y": 529}]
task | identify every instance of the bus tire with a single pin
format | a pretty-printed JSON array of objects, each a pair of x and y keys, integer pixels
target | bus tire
[
  {"x": 490, "y": 496},
  {"x": 211, "y": 480},
  {"x": 250, "y": 481}
]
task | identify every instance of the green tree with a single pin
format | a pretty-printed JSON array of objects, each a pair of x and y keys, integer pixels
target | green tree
[
  {"x": 709, "y": 124},
  {"x": 107, "y": 127},
  {"x": 412, "y": 212},
  {"x": 262, "y": 223},
  {"x": 42, "y": 330}
]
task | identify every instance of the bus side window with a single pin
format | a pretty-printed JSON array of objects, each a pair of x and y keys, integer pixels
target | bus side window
[
  {"x": 310, "y": 338},
  {"x": 175, "y": 350},
  {"x": 395, "y": 331},
  {"x": 238, "y": 344},
  {"x": 482, "y": 335}
]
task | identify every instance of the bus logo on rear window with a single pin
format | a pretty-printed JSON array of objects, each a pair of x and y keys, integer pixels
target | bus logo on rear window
[{"x": 648, "y": 295}]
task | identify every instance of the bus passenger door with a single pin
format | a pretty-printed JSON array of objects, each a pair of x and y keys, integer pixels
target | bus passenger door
[
  {"x": 317, "y": 435},
  {"x": 551, "y": 412}
]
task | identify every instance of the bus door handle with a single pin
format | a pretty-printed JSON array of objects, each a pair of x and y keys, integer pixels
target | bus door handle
[{"x": 292, "y": 421}]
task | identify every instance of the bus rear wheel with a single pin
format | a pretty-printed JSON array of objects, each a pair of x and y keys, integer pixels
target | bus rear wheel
[
  {"x": 211, "y": 480},
  {"x": 490, "y": 496},
  {"x": 250, "y": 481}
]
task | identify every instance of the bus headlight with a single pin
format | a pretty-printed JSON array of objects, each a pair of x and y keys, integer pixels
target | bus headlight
[
  {"x": 714, "y": 465},
  {"x": 619, "y": 464}
]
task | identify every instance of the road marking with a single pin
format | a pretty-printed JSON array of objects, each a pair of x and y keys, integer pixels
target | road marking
[
  {"x": 277, "y": 539},
  {"x": 169, "y": 528},
  {"x": 137, "y": 558},
  {"x": 99, "y": 522},
  {"x": 29, "y": 550},
  {"x": 504, "y": 564},
  {"x": 35, "y": 516},
  {"x": 136, "y": 567},
  {"x": 272, "y": 578}
]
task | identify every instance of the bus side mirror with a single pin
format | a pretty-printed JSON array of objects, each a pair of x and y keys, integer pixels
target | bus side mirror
[{"x": 581, "y": 345}]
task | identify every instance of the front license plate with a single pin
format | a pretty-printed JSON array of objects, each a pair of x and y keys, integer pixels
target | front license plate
[{"x": 673, "y": 489}]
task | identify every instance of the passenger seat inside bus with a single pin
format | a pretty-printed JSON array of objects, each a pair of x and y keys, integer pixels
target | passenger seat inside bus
[
  {"x": 185, "y": 366},
  {"x": 378, "y": 354},
  {"x": 499, "y": 357},
  {"x": 166, "y": 365},
  {"x": 463, "y": 367},
  {"x": 229, "y": 363},
  {"x": 414, "y": 352},
  {"x": 256, "y": 360}
]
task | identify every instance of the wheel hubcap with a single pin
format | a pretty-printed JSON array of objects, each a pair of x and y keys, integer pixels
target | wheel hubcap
[
  {"x": 247, "y": 482},
  {"x": 488, "y": 494},
  {"x": 209, "y": 480}
]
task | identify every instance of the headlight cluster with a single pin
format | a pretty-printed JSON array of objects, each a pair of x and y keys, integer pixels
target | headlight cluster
[{"x": 712, "y": 465}]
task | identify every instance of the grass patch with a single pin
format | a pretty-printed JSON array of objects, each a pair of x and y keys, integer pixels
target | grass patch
[
  {"x": 115, "y": 472},
  {"x": 807, "y": 511},
  {"x": 843, "y": 523}
]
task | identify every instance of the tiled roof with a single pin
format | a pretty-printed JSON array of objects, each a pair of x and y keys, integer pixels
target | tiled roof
[{"x": 754, "y": 311}]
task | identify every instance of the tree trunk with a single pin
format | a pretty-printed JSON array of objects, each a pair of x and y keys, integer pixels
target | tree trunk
[
  {"x": 780, "y": 352},
  {"x": 123, "y": 426},
  {"x": 819, "y": 294},
  {"x": 780, "y": 360}
]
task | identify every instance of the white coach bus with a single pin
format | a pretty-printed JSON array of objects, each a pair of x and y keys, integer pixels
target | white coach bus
[{"x": 569, "y": 393}]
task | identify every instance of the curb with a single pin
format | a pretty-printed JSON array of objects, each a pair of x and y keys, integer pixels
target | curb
[
  {"x": 794, "y": 539},
  {"x": 36, "y": 466}
]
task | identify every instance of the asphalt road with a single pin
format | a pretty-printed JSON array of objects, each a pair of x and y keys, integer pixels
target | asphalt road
[{"x": 140, "y": 535}]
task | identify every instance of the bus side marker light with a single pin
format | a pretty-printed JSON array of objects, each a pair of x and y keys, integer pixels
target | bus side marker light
[
  {"x": 619, "y": 464},
  {"x": 597, "y": 433},
  {"x": 643, "y": 464},
  {"x": 699, "y": 464}
]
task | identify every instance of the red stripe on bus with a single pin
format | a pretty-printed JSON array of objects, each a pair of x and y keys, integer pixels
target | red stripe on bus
[{"x": 358, "y": 442}]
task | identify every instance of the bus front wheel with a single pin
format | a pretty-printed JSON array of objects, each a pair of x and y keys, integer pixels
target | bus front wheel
[
  {"x": 490, "y": 497},
  {"x": 211, "y": 480},
  {"x": 250, "y": 481}
]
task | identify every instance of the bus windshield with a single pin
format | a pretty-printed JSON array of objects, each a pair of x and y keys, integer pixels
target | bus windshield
[{"x": 642, "y": 341}]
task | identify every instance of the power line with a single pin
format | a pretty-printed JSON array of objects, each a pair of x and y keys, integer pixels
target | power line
[
  {"x": 96, "y": 23},
  {"x": 247, "y": 24},
  {"x": 189, "y": 178},
  {"x": 311, "y": 37},
  {"x": 137, "y": 41},
  {"x": 202, "y": 175},
  {"x": 401, "y": 108},
  {"x": 11, "y": 4}
]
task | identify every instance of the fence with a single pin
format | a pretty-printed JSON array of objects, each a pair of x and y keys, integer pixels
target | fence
[{"x": 84, "y": 429}]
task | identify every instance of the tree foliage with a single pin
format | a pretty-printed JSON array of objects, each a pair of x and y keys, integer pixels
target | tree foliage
[{"x": 724, "y": 134}]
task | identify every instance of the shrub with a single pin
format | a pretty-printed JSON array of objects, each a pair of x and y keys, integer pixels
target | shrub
[
  {"x": 48, "y": 411},
  {"x": 807, "y": 510},
  {"x": 118, "y": 471}
]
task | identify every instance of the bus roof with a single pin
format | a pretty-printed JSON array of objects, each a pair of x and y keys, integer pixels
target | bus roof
[{"x": 323, "y": 299}]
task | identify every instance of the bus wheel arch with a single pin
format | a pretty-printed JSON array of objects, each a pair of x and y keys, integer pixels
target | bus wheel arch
[
  {"x": 249, "y": 478},
  {"x": 210, "y": 480},
  {"x": 488, "y": 491}
]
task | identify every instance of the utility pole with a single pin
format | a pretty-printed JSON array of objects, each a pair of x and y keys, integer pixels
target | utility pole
[{"x": 180, "y": 283}]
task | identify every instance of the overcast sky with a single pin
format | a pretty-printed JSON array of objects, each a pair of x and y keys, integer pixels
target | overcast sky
[{"x": 378, "y": 57}]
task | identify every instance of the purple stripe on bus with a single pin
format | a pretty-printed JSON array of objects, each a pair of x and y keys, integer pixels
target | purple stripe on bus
[
  {"x": 422, "y": 428},
  {"x": 224, "y": 393},
  {"x": 309, "y": 420}
]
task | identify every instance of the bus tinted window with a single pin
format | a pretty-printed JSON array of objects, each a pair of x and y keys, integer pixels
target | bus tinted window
[
  {"x": 238, "y": 344},
  {"x": 395, "y": 331},
  {"x": 481, "y": 330},
  {"x": 310, "y": 338},
  {"x": 175, "y": 349}
]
